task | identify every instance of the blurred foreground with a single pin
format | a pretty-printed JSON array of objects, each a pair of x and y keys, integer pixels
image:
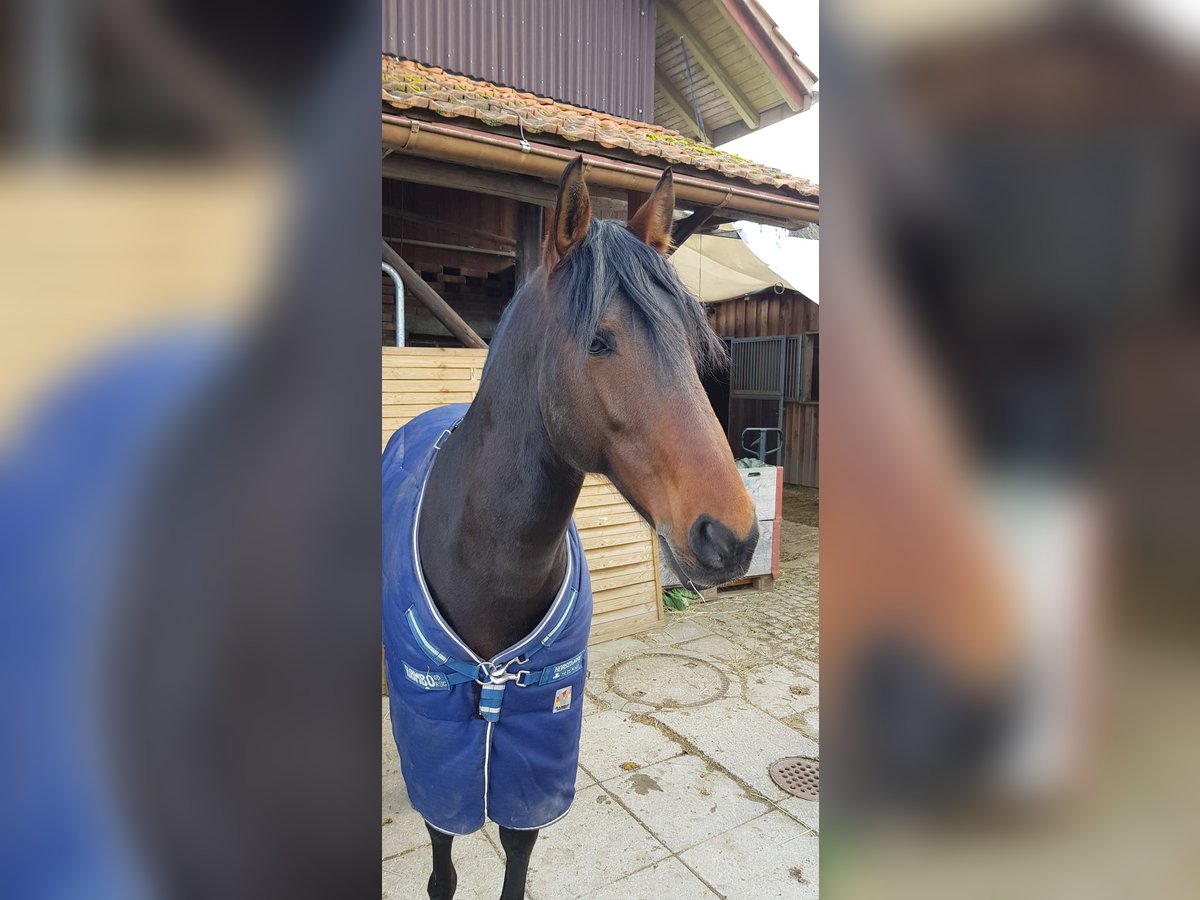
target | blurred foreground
[
  {"x": 1010, "y": 502},
  {"x": 188, "y": 534},
  {"x": 1011, "y": 436}
]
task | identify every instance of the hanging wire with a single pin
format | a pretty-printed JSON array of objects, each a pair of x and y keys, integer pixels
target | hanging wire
[
  {"x": 687, "y": 67},
  {"x": 526, "y": 147}
]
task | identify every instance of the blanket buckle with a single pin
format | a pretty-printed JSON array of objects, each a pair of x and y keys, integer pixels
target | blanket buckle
[{"x": 501, "y": 675}]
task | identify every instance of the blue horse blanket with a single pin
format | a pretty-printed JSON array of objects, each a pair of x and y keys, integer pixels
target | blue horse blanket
[{"x": 478, "y": 738}]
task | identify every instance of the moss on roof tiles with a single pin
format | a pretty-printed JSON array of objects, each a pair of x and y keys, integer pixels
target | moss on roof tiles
[{"x": 409, "y": 84}]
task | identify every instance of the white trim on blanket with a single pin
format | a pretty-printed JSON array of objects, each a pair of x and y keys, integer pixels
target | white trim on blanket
[{"x": 515, "y": 650}]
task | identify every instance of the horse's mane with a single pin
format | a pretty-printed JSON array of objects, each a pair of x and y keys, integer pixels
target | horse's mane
[
  {"x": 612, "y": 259},
  {"x": 609, "y": 259}
]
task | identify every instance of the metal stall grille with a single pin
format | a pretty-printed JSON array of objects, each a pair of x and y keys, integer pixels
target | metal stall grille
[
  {"x": 766, "y": 369},
  {"x": 757, "y": 368}
]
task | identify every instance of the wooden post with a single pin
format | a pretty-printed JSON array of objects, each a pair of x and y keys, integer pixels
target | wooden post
[
  {"x": 427, "y": 295},
  {"x": 634, "y": 201},
  {"x": 529, "y": 240}
]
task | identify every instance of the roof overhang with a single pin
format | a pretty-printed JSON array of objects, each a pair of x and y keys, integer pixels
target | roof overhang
[
  {"x": 407, "y": 137},
  {"x": 723, "y": 69}
]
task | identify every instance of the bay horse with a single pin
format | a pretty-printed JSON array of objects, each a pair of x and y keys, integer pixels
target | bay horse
[{"x": 595, "y": 368}]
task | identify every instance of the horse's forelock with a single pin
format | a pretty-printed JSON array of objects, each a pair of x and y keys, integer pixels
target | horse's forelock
[{"x": 612, "y": 259}]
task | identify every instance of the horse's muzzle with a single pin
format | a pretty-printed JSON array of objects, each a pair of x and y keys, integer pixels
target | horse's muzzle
[{"x": 714, "y": 554}]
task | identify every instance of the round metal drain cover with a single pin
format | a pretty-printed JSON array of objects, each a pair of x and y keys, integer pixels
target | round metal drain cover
[
  {"x": 668, "y": 680},
  {"x": 800, "y": 776}
]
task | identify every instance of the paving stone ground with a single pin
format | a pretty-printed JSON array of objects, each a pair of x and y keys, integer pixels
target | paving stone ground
[{"x": 673, "y": 797}]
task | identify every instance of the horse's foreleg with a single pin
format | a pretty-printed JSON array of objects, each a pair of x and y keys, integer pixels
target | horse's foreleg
[
  {"x": 444, "y": 879},
  {"x": 518, "y": 845}
]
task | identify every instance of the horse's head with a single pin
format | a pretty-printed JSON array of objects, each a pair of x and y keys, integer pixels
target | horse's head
[{"x": 620, "y": 384}]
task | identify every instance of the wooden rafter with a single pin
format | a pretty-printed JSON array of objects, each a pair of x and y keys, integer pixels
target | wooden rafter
[
  {"x": 445, "y": 313},
  {"x": 685, "y": 228},
  {"x": 679, "y": 103},
  {"x": 716, "y": 72},
  {"x": 755, "y": 52}
]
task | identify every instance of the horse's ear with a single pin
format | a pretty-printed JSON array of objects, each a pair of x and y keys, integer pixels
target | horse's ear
[
  {"x": 572, "y": 215},
  {"x": 652, "y": 223}
]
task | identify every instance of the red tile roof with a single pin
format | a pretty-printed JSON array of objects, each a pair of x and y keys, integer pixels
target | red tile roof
[{"x": 409, "y": 85}]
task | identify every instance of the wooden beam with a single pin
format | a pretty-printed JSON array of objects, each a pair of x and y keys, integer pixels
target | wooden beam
[
  {"x": 529, "y": 240},
  {"x": 525, "y": 188},
  {"x": 737, "y": 128},
  {"x": 634, "y": 200},
  {"x": 427, "y": 295},
  {"x": 758, "y": 46},
  {"x": 679, "y": 103},
  {"x": 685, "y": 228},
  {"x": 473, "y": 234},
  {"x": 720, "y": 77},
  {"x": 405, "y": 167}
]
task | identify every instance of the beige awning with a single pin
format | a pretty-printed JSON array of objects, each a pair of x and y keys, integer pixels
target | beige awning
[{"x": 721, "y": 266}]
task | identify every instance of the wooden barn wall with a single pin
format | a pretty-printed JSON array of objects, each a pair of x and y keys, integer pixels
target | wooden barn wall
[
  {"x": 621, "y": 550},
  {"x": 765, "y": 315},
  {"x": 477, "y": 284},
  {"x": 800, "y": 437}
]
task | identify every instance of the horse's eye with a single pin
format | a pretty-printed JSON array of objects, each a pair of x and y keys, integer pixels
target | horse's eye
[{"x": 599, "y": 346}]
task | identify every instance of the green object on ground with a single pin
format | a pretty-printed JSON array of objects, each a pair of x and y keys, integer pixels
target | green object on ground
[
  {"x": 749, "y": 462},
  {"x": 678, "y": 598}
]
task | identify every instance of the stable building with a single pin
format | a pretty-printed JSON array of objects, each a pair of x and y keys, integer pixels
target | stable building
[{"x": 478, "y": 122}]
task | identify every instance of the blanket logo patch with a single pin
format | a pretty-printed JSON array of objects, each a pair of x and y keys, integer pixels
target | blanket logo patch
[
  {"x": 563, "y": 669},
  {"x": 562, "y": 699},
  {"x": 431, "y": 681}
]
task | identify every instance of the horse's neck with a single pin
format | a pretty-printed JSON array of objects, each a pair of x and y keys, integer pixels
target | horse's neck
[{"x": 495, "y": 516}]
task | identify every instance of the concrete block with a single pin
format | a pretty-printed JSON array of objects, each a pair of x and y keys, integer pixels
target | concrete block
[
  {"x": 768, "y": 858},
  {"x": 684, "y": 801},
  {"x": 666, "y": 880},
  {"x": 741, "y": 739},
  {"x": 596, "y": 844},
  {"x": 612, "y": 742}
]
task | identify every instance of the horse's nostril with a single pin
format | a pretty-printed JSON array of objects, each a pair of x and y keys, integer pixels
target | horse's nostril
[{"x": 712, "y": 542}]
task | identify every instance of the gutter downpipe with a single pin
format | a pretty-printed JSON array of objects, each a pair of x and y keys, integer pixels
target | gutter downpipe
[
  {"x": 395, "y": 276},
  {"x": 435, "y": 140}
]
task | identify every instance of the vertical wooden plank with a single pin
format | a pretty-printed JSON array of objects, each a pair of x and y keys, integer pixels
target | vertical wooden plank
[
  {"x": 815, "y": 473},
  {"x": 793, "y": 464},
  {"x": 806, "y": 375},
  {"x": 529, "y": 240},
  {"x": 658, "y": 588},
  {"x": 634, "y": 201}
]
